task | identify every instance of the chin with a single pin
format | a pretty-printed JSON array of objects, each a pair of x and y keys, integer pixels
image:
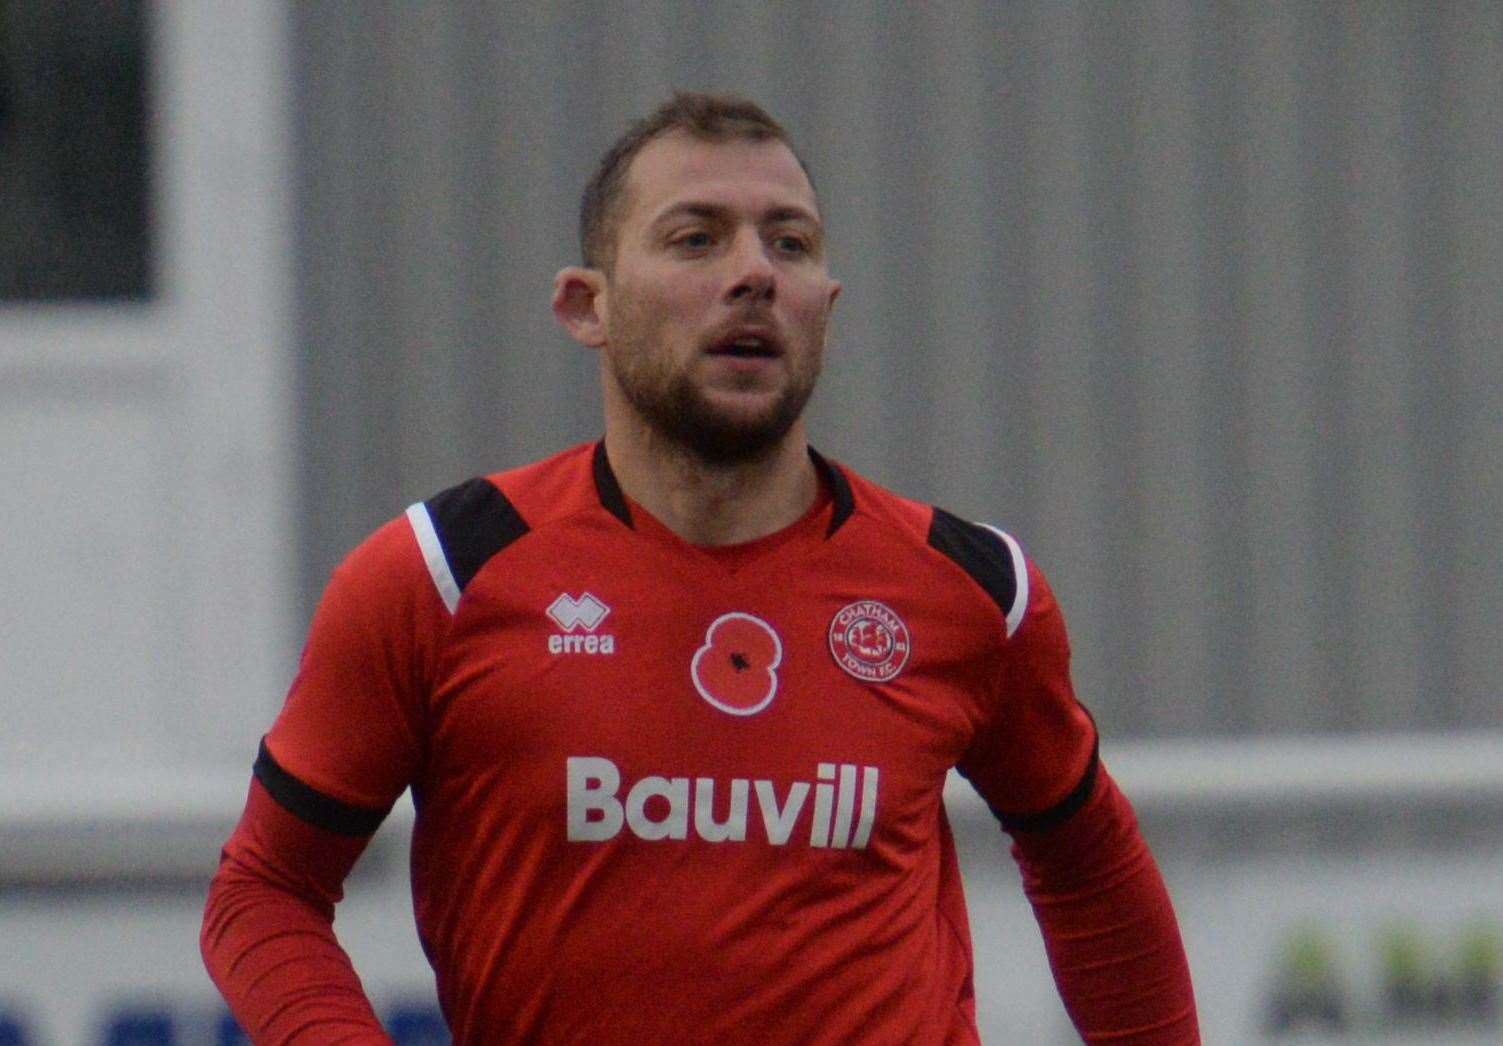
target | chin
[
  {"x": 731, "y": 437},
  {"x": 720, "y": 426}
]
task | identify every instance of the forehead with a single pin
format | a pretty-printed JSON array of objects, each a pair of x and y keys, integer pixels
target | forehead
[{"x": 754, "y": 176}]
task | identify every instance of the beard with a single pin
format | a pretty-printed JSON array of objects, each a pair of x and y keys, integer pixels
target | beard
[{"x": 678, "y": 410}]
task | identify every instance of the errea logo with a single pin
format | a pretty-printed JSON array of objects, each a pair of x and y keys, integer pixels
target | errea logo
[{"x": 579, "y": 618}]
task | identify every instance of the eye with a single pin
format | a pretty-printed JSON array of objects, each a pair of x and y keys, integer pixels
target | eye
[
  {"x": 694, "y": 240},
  {"x": 791, "y": 244}
]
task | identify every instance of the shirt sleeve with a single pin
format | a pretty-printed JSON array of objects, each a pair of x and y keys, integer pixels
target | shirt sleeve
[
  {"x": 350, "y": 729},
  {"x": 1034, "y": 753},
  {"x": 1107, "y": 922},
  {"x": 345, "y": 745},
  {"x": 267, "y": 938}
]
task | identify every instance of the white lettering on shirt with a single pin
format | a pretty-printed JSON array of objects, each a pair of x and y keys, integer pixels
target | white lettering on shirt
[{"x": 659, "y": 807}]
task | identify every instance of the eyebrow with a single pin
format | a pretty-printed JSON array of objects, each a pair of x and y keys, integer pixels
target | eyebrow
[{"x": 712, "y": 211}]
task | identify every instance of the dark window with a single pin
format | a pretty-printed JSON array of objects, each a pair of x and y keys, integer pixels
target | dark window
[{"x": 74, "y": 157}]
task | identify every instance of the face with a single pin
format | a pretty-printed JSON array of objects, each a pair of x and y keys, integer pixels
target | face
[{"x": 715, "y": 309}]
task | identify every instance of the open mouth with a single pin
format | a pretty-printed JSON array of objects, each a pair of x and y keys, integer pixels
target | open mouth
[{"x": 747, "y": 346}]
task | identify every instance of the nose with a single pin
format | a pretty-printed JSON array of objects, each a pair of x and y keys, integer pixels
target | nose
[{"x": 753, "y": 276}]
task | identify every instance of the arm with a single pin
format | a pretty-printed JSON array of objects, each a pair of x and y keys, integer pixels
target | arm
[
  {"x": 268, "y": 935},
  {"x": 343, "y": 748},
  {"x": 1108, "y": 925}
]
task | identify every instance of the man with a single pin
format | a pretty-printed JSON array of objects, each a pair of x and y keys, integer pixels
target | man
[{"x": 677, "y": 708}]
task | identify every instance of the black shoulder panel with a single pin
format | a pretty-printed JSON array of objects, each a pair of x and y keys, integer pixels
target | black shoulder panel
[
  {"x": 311, "y": 805},
  {"x": 1061, "y": 811},
  {"x": 473, "y": 521},
  {"x": 980, "y": 553}
]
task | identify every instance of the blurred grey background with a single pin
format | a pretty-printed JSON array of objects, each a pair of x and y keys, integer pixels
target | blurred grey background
[{"x": 1204, "y": 302}]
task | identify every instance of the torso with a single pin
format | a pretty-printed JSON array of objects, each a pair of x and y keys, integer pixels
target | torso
[{"x": 706, "y": 789}]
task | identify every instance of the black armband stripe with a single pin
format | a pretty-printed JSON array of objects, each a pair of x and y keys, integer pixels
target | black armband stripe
[
  {"x": 311, "y": 805},
  {"x": 460, "y": 529},
  {"x": 1061, "y": 811}
]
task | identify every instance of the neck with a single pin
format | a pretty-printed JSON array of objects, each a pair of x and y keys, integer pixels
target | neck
[{"x": 713, "y": 504}]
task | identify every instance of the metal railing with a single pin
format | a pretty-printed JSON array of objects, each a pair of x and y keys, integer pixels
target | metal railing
[{"x": 109, "y": 827}]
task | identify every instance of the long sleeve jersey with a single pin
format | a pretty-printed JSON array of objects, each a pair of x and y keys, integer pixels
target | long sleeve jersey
[{"x": 668, "y": 793}]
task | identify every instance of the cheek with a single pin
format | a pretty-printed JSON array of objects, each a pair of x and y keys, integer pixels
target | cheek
[
  {"x": 811, "y": 309},
  {"x": 665, "y": 303}
]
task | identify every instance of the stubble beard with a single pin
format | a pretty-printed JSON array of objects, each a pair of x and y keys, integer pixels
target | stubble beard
[{"x": 677, "y": 410}]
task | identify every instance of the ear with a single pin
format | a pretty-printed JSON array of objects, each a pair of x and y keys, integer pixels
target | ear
[{"x": 579, "y": 304}]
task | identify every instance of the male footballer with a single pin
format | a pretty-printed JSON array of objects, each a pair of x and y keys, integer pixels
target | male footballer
[{"x": 677, "y": 707}]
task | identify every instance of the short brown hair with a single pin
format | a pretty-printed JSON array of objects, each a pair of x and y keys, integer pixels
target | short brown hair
[{"x": 710, "y": 117}]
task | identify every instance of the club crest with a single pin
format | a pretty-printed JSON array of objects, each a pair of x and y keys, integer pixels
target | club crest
[{"x": 869, "y": 641}]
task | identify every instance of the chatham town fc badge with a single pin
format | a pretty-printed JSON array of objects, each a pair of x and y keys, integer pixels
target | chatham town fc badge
[{"x": 869, "y": 641}]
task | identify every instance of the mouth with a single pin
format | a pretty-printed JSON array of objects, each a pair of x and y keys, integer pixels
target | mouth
[{"x": 747, "y": 344}]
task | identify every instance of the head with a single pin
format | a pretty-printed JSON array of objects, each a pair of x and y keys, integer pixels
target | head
[{"x": 704, "y": 284}]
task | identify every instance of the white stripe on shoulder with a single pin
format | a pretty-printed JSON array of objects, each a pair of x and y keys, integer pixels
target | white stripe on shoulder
[
  {"x": 433, "y": 554},
  {"x": 1020, "y": 579}
]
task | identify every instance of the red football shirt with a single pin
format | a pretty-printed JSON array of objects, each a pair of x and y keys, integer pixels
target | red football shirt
[{"x": 665, "y": 792}]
